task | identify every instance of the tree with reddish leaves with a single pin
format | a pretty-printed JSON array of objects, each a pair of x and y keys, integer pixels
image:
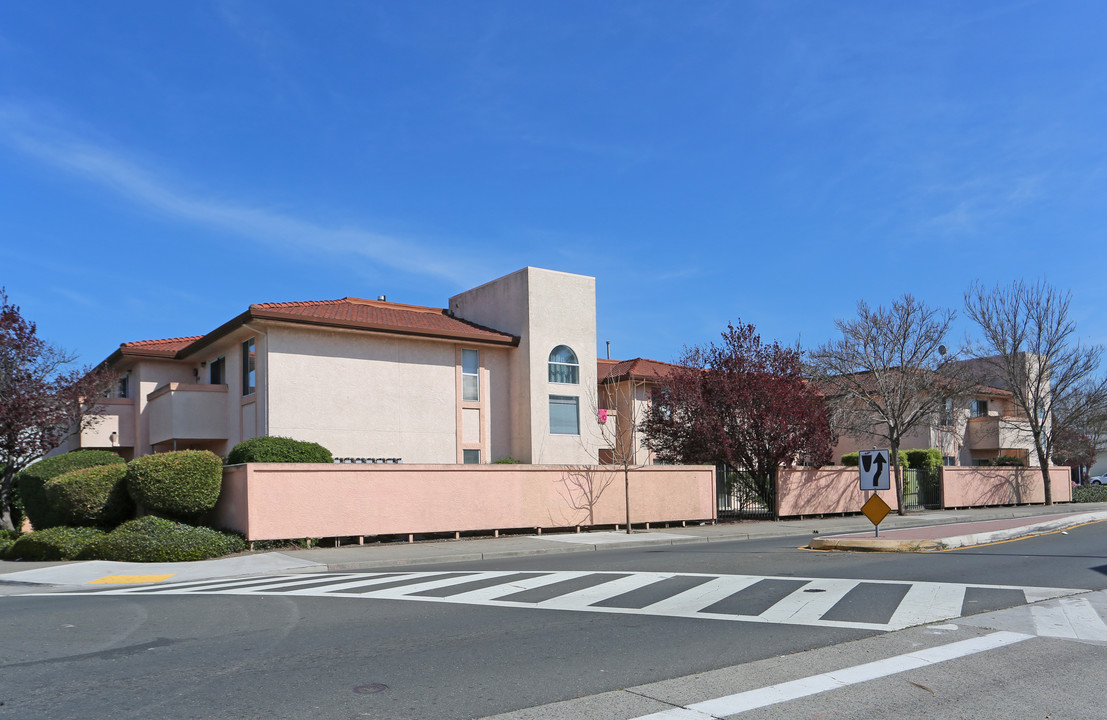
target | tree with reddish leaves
[
  {"x": 41, "y": 400},
  {"x": 741, "y": 402},
  {"x": 1074, "y": 449}
]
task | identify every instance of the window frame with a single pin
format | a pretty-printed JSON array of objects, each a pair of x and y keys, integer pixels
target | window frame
[
  {"x": 565, "y": 401},
  {"x": 473, "y": 377},
  {"x": 221, "y": 363},
  {"x": 249, "y": 367},
  {"x": 571, "y": 368}
]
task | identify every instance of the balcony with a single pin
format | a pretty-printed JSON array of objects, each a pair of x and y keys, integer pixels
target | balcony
[
  {"x": 113, "y": 427},
  {"x": 187, "y": 411},
  {"x": 994, "y": 432}
]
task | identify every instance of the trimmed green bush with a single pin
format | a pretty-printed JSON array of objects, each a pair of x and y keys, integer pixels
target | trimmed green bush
[
  {"x": 5, "y": 545},
  {"x": 930, "y": 459},
  {"x": 854, "y": 459},
  {"x": 1089, "y": 493},
  {"x": 271, "y": 449},
  {"x": 155, "y": 539},
  {"x": 55, "y": 543},
  {"x": 182, "y": 485},
  {"x": 507, "y": 461},
  {"x": 1009, "y": 461},
  {"x": 31, "y": 481},
  {"x": 92, "y": 497}
]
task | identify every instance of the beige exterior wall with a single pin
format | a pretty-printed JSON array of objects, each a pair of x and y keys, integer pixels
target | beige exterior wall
[
  {"x": 364, "y": 395},
  {"x": 544, "y": 309},
  {"x": 270, "y": 501},
  {"x": 972, "y": 487}
]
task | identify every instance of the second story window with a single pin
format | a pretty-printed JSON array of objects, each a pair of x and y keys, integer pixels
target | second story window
[
  {"x": 218, "y": 370},
  {"x": 470, "y": 375},
  {"x": 564, "y": 367},
  {"x": 249, "y": 367},
  {"x": 978, "y": 408},
  {"x": 123, "y": 389}
]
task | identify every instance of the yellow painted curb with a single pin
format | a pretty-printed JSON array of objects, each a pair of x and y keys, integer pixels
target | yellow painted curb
[{"x": 129, "y": 579}]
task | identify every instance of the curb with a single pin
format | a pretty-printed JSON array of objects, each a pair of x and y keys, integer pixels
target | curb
[{"x": 956, "y": 541}]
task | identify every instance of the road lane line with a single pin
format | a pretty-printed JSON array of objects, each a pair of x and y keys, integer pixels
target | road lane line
[
  {"x": 804, "y": 687},
  {"x": 808, "y": 603},
  {"x": 1071, "y": 618},
  {"x": 927, "y": 602}
]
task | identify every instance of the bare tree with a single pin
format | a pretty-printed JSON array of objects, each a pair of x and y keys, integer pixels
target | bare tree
[
  {"x": 889, "y": 374},
  {"x": 581, "y": 487},
  {"x": 1029, "y": 345},
  {"x": 619, "y": 408}
]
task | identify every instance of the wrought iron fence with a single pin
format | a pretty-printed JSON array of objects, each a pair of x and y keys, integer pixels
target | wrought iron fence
[
  {"x": 735, "y": 498},
  {"x": 921, "y": 489}
]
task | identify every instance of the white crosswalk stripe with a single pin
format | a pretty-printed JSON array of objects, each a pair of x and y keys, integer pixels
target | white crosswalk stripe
[{"x": 741, "y": 598}]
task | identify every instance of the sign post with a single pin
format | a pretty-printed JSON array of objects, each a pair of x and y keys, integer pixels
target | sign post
[{"x": 875, "y": 473}]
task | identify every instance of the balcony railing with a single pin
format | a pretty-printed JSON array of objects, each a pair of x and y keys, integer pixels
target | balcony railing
[{"x": 188, "y": 411}]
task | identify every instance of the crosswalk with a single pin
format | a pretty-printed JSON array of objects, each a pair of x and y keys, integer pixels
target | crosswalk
[{"x": 880, "y": 605}]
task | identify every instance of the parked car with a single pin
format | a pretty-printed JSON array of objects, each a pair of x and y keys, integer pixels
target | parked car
[{"x": 1098, "y": 480}]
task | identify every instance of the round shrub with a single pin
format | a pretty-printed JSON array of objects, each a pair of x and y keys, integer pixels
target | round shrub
[
  {"x": 278, "y": 450},
  {"x": 93, "y": 497},
  {"x": 31, "y": 481},
  {"x": 183, "y": 484},
  {"x": 55, "y": 543},
  {"x": 155, "y": 539}
]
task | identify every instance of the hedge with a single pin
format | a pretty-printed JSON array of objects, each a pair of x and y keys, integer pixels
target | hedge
[
  {"x": 33, "y": 478},
  {"x": 269, "y": 449},
  {"x": 55, "y": 543},
  {"x": 1089, "y": 493},
  {"x": 854, "y": 459},
  {"x": 154, "y": 539},
  {"x": 181, "y": 485},
  {"x": 930, "y": 459},
  {"x": 93, "y": 497}
]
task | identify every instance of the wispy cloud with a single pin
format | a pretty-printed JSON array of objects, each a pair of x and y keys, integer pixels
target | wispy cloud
[{"x": 114, "y": 171}]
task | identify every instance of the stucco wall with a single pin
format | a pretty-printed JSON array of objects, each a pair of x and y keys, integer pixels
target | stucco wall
[
  {"x": 975, "y": 486},
  {"x": 363, "y": 395},
  {"x": 274, "y": 501},
  {"x": 824, "y": 491},
  {"x": 544, "y": 308}
]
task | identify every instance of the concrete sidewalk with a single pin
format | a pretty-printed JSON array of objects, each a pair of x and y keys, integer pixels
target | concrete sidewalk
[{"x": 934, "y": 530}]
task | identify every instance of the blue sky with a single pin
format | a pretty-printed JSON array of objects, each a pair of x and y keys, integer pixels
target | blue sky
[{"x": 164, "y": 165}]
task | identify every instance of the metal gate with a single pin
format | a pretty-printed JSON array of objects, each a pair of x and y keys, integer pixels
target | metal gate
[
  {"x": 735, "y": 500},
  {"x": 921, "y": 489}
]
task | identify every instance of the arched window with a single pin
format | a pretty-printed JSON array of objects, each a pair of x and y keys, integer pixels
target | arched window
[{"x": 564, "y": 367}]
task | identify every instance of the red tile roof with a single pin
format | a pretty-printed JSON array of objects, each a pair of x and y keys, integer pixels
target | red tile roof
[
  {"x": 384, "y": 316},
  {"x": 167, "y": 347},
  {"x": 348, "y": 312},
  {"x": 638, "y": 369}
]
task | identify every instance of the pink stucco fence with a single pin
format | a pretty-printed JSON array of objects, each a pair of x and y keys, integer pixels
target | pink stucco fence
[
  {"x": 832, "y": 490},
  {"x": 974, "y": 486},
  {"x": 823, "y": 491},
  {"x": 266, "y": 501}
]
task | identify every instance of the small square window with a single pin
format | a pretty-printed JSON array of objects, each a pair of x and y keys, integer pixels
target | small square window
[{"x": 470, "y": 457}]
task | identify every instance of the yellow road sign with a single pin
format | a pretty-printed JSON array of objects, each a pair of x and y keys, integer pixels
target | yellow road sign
[{"x": 875, "y": 509}]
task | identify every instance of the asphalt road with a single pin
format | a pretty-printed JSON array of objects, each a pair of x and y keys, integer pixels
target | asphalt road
[{"x": 355, "y": 653}]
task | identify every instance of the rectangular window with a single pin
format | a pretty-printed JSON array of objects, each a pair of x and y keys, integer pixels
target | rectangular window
[
  {"x": 249, "y": 367},
  {"x": 949, "y": 460},
  {"x": 978, "y": 408},
  {"x": 124, "y": 388},
  {"x": 218, "y": 370},
  {"x": 470, "y": 457},
  {"x": 470, "y": 375},
  {"x": 564, "y": 415}
]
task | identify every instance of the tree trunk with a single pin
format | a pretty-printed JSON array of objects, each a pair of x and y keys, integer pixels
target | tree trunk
[
  {"x": 626, "y": 486},
  {"x": 1043, "y": 463},
  {"x": 893, "y": 459},
  {"x": 6, "y": 501}
]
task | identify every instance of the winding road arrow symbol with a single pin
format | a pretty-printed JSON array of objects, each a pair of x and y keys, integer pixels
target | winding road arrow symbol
[{"x": 879, "y": 462}]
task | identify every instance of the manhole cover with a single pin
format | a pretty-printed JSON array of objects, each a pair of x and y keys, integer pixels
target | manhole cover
[
  {"x": 815, "y": 590},
  {"x": 370, "y": 688}
]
